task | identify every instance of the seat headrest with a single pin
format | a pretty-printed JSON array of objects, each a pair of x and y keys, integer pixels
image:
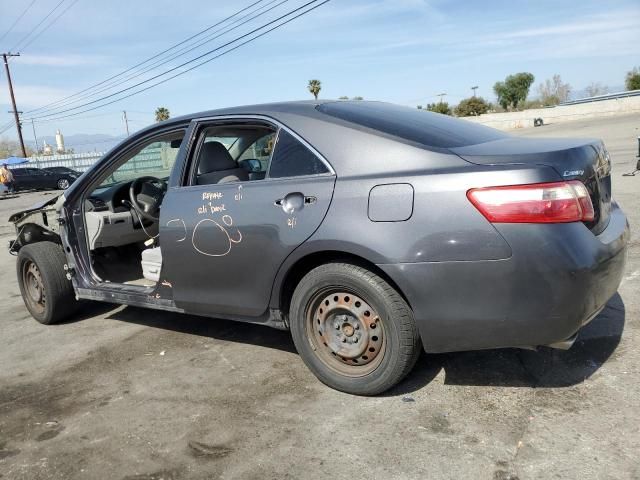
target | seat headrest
[{"x": 214, "y": 157}]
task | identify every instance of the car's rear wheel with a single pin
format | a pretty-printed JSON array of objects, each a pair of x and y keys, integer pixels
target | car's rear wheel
[
  {"x": 352, "y": 329},
  {"x": 47, "y": 293},
  {"x": 63, "y": 184}
]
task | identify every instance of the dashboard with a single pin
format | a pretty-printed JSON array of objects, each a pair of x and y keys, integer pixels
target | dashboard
[{"x": 112, "y": 223}]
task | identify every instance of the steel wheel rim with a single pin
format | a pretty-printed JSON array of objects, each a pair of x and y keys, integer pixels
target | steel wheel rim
[
  {"x": 33, "y": 286},
  {"x": 63, "y": 184},
  {"x": 345, "y": 332}
]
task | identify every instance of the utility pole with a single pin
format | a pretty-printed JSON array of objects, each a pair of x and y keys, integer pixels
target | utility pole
[
  {"x": 441, "y": 95},
  {"x": 126, "y": 122},
  {"x": 474, "y": 90},
  {"x": 13, "y": 100},
  {"x": 35, "y": 138}
]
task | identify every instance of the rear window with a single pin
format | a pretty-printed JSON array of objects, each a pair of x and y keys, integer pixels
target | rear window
[{"x": 418, "y": 126}]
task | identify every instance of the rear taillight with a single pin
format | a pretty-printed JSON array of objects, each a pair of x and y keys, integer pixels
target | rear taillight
[{"x": 557, "y": 202}]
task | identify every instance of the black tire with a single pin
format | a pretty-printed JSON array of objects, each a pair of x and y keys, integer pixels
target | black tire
[
  {"x": 338, "y": 305},
  {"x": 46, "y": 292}
]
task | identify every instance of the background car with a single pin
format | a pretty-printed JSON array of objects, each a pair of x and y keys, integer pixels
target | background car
[
  {"x": 63, "y": 171},
  {"x": 42, "y": 178}
]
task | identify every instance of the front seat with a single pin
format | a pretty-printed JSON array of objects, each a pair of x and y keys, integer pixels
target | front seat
[
  {"x": 152, "y": 264},
  {"x": 217, "y": 166}
]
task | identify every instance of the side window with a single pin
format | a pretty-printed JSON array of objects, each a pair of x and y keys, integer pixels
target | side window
[
  {"x": 291, "y": 158},
  {"x": 233, "y": 153}
]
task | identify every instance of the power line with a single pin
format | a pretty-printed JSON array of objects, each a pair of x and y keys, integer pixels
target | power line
[
  {"x": 49, "y": 25},
  {"x": 6, "y": 127},
  {"x": 24, "y": 12},
  {"x": 37, "y": 26},
  {"x": 148, "y": 59},
  {"x": 193, "y": 60},
  {"x": 104, "y": 114},
  {"x": 179, "y": 53}
]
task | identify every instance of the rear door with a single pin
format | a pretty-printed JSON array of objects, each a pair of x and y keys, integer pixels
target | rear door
[
  {"x": 38, "y": 179},
  {"x": 223, "y": 243}
]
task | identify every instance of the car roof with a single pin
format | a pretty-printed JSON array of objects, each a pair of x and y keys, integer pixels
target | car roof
[{"x": 341, "y": 129}]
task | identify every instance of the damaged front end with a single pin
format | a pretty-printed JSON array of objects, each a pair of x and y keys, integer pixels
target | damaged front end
[{"x": 40, "y": 223}]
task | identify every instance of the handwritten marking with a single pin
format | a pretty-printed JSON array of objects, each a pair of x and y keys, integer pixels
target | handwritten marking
[
  {"x": 210, "y": 208},
  {"x": 184, "y": 226},
  {"x": 228, "y": 221},
  {"x": 167, "y": 283},
  {"x": 212, "y": 195},
  {"x": 238, "y": 195},
  {"x": 291, "y": 222}
]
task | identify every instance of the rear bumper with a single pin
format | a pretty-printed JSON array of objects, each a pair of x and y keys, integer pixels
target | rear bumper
[{"x": 558, "y": 278}]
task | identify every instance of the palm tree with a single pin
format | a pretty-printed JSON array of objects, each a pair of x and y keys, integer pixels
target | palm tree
[
  {"x": 314, "y": 87},
  {"x": 162, "y": 114}
]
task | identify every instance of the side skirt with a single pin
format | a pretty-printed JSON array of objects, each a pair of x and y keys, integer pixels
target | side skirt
[{"x": 272, "y": 318}]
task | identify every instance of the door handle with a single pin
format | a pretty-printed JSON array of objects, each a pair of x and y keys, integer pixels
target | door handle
[{"x": 295, "y": 201}]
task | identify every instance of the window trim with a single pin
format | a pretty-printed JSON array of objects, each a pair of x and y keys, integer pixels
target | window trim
[{"x": 206, "y": 122}]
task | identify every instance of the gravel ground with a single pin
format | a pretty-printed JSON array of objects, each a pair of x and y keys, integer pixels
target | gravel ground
[{"x": 125, "y": 393}]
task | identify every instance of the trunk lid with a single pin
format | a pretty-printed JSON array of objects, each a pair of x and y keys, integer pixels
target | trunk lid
[{"x": 573, "y": 159}]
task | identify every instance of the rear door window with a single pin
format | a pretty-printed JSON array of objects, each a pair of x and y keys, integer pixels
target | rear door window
[{"x": 292, "y": 159}]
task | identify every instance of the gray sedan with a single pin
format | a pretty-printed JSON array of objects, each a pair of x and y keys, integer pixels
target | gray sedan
[{"x": 370, "y": 231}]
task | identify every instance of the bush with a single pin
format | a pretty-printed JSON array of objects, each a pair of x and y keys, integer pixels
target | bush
[
  {"x": 440, "y": 107},
  {"x": 472, "y": 106},
  {"x": 632, "y": 81}
]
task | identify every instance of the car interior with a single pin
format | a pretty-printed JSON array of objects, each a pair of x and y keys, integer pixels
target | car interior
[{"x": 122, "y": 213}]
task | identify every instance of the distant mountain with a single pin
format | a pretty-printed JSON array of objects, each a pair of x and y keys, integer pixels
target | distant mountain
[
  {"x": 81, "y": 142},
  {"x": 577, "y": 94}
]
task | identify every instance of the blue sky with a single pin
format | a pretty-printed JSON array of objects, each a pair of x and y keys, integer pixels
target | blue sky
[{"x": 402, "y": 51}]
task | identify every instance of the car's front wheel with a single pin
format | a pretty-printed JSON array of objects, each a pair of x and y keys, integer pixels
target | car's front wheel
[
  {"x": 63, "y": 184},
  {"x": 46, "y": 292},
  {"x": 352, "y": 329}
]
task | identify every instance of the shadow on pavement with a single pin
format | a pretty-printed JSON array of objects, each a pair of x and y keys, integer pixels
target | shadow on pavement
[
  {"x": 215, "y": 328},
  {"x": 8, "y": 196},
  {"x": 509, "y": 367}
]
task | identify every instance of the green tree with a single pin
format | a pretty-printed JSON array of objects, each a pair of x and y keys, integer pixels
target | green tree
[
  {"x": 472, "y": 106},
  {"x": 314, "y": 87},
  {"x": 343, "y": 97},
  {"x": 514, "y": 89},
  {"x": 632, "y": 81},
  {"x": 162, "y": 114},
  {"x": 357, "y": 97},
  {"x": 554, "y": 91},
  {"x": 440, "y": 107}
]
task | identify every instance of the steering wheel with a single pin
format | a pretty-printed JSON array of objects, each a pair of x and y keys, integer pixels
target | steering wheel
[{"x": 146, "y": 194}]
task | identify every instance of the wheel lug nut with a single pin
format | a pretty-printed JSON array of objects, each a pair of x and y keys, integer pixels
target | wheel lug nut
[
  {"x": 355, "y": 340},
  {"x": 357, "y": 327},
  {"x": 344, "y": 340}
]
